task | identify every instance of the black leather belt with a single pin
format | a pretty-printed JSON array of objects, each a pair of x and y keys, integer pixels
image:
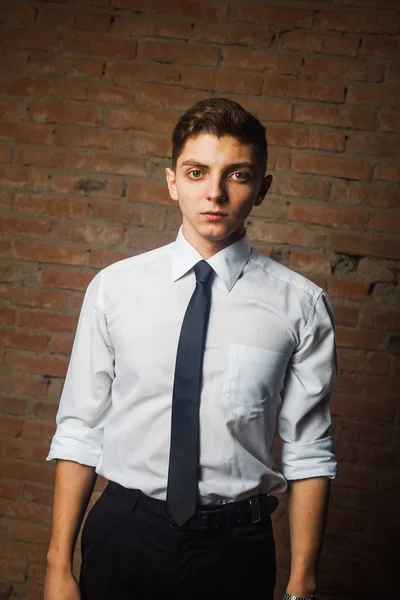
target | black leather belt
[{"x": 243, "y": 512}]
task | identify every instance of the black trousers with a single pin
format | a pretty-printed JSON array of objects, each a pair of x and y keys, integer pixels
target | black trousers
[{"x": 130, "y": 552}]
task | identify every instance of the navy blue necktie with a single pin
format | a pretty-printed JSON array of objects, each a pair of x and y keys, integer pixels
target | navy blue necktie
[{"x": 184, "y": 451}]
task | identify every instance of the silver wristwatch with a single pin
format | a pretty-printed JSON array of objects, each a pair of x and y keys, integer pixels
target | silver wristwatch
[{"x": 290, "y": 597}]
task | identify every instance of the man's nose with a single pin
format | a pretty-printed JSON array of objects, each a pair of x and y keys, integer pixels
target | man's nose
[{"x": 217, "y": 189}]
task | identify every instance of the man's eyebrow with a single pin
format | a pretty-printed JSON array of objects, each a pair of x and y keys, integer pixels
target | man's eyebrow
[{"x": 240, "y": 165}]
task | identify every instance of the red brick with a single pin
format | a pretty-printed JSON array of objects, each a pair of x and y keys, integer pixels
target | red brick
[
  {"x": 22, "y": 227},
  {"x": 91, "y": 138},
  {"x": 7, "y": 315},
  {"x": 273, "y": 16},
  {"x": 151, "y": 144},
  {"x": 166, "y": 97},
  {"x": 75, "y": 88},
  {"x": 12, "y": 571},
  {"x": 144, "y": 27},
  {"x": 347, "y": 337},
  {"x": 221, "y": 81},
  {"x": 279, "y": 160},
  {"x": 387, "y": 172},
  {"x": 10, "y": 425},
  {"x": 36, "y": 319},
  {"x": 5, "y": 249},
  {"x": 274, "y": 208},
  {"x": 88, "y": 20},
  {"x": 150, "y": 192},
  {"x": 297, "y": 186},
  {"x": 332, "y": 166},
  {"x": 65, "y": 279},
  {"x": 23, "y": 178},
  {"x": 10, "y": 109},
  {"x": 388, "y": 47},
  {"x": 52, "y": 205},
  {"x": 389, "y": 122},
  {"x": 10, "y": 273},
  {"x": 260, "y": 60},
  {"x": 5, "y": 198},
  {"x": 26, "y": 471},
  {"x": 119, "y": 165},
  {"x": 13, "y": 60},
  {"x": 304, "y": 89},
  {"x": 35, "y": 492},
  {"x": 329, "y": 216},
  {"x": 55, "y": 17},
  {"x": 13, "y": 406},
  {"x": 100, "y": 45},
  {"x": 29, "y": 39},
  {"x": 90, "y": 186},
  {"x": 44, "y": 112},
  {"x": 102, "y": 258},
  {"x": 26, "y": 340},
  {"x": 32, "y": 363},
  {"x": 31, "y": 533},
  {"x": 348, "y": 290},
  {"x": 41, "y": 432},
  {"x": 358, "y": 22},
  {"x": 285, "y": 234},
  {"x": 302, "y": 137},
  {"x": 31, "y": 133},
  {"x": 134, "y": 72},
  {"x": 6, "y": 153},
  {"x": 148, "y": 240},
  {"x": 363, "y": 362},
  {"x": 73, "y": 65},
  {"x": 365, "y": 432},
  {"x": 372, "y": 317},
  {"x": 26, "y": 86},
  {"x": 17, "y": 14},
  {"x": 323, "y": 43},
  {"x": 89, "y": 234},
  {"x": 345, "y": 315},
  {"x": 178, "y": 53},
  {"x": 17, "y": 383},
  {"x": 373, "y": 95},
  {"x": 393, "y": 73},
  {"x": 354, "y": 69},
  {"x": 53, "y": 158},
  {"x": 28, "y": 511},
  {"x": 268, "y": 111},
  {"x": 365, "y": 245},
  {"x": 385, "y": 221},
  {"x": 125, "y": 118},
  {"x": 379, "y": 144},
  {"x": 231, "y": 34},
  {"x": 138, "y": 215},
  {"x": 361, "y": 408},
  {"x": 44, "y": 410},
  {"x": 379, "y": 196},
  {"x": 9, "y": 490},
  {"x": 61, "y": 345},
  {"x": 310, "y": 261},
  {"x": 197, "y": 9},
  {"x": 50, "y": 253}
]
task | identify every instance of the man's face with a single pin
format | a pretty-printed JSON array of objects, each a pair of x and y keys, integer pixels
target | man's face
[{"x": 216, "y": 182}]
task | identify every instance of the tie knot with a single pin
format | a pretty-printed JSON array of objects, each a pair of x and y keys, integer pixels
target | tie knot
[{"x": 203, "y": 271}]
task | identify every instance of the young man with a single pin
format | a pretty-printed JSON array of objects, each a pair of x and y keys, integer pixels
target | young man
[{"x": 186, "y": 362}]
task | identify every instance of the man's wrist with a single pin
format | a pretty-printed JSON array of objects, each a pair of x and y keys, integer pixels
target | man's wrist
[{"x": 287, "y": 596}]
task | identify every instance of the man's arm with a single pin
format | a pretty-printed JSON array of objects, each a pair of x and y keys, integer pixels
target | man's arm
[
  {"x": 73, "y": 487},
  {"x": 308, "y": 505}
]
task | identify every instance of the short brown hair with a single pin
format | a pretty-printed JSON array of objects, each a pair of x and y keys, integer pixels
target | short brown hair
[{"x": 219, "y": 117}]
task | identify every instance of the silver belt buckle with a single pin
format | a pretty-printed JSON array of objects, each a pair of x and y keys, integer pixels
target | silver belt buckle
[{"x": 255, "y": 510}]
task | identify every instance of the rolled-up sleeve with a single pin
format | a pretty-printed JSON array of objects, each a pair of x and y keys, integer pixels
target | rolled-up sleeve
[
  {"x": 305, "y": 418},
  {"x": 86, "y": 397}
]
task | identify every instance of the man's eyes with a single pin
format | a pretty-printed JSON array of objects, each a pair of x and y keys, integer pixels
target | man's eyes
[{"x": 237, "y": 175}]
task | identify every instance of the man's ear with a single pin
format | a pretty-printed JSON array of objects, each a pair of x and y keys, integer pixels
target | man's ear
[
  {"x": 265, "y": 185},
  {"x": 171, "y": 183}
]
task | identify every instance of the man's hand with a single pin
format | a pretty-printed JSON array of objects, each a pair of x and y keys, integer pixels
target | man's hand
[{"x": 60, "y": 585}]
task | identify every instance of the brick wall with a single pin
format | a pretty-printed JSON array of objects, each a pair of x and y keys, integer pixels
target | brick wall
[{"x": 90, "y": 90}]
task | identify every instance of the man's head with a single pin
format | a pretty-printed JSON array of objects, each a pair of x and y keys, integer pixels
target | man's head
[
  {"x": 220, "y": 117},
  {"x": 219, "y": 162}
]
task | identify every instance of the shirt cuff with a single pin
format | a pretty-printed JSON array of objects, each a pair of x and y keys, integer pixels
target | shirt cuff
[
  {"x": 312, "y": 459},
  {"x": 83, "y": 445}
]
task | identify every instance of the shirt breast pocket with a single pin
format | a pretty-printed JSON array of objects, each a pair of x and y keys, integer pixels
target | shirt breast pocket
[{"x": 254, "y": 379}]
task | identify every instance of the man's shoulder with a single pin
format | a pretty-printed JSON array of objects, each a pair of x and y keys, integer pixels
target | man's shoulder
[{"x": 283, "y": 274}]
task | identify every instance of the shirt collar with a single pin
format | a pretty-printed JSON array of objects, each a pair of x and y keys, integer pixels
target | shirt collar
[{"x": 228, "y": 263}]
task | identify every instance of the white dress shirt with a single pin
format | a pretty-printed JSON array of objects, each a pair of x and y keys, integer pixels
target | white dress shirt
[{"x": 269, "y": 366}]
